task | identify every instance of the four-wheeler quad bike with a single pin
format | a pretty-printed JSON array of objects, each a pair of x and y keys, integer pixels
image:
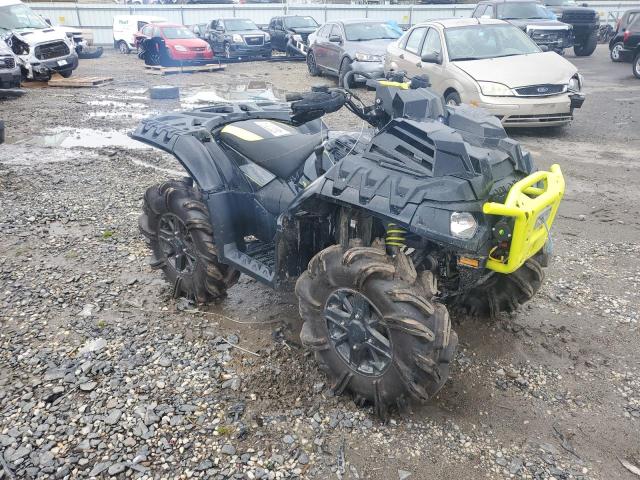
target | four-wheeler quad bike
[{"x": 438, "y": 207}]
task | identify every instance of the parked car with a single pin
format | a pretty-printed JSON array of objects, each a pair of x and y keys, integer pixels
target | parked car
[
  {"x": 531, "y": 17},
  {"x": 238, "y": 38},
  {"x": 10, "y": 75},
  {"x": 171, "y": 44},
  {"x": 41, "y": 49},
  {"x": 358, "y": 45},
  {"x": 585, "y": 22},
  {"x": 490, "y": 64},
  {"x": 632, "y": 44},
  {"x": 616, "y": 44},
  {"x": 290, "y": 33},
  {"x": 125, "y": 28}
]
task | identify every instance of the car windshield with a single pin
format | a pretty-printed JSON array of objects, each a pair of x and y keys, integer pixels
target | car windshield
[
  {"x": 239, "y": 24},
  {"x": 300, "y": 22},
  {"x": 521, "y": 10},
  {"x": 173, "y": 33},
  {"x": 359, "y": 32},
  {"x": 487, "y": 41},
  {"x": 16, "y": 17}
]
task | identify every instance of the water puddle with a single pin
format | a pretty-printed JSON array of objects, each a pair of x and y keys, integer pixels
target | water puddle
[
  {"x": 83, "y": 137},
  {"x": 240, "y": 91}
]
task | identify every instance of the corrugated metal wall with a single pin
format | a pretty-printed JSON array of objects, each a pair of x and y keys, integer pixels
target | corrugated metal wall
[{"x": 99, "y": 17}]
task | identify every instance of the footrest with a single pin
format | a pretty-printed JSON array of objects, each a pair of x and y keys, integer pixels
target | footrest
[{"x": 258, "y": 262}]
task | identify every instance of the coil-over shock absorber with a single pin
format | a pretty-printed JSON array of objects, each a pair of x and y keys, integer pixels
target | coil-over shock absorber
[{"x": 395, "y": 239}]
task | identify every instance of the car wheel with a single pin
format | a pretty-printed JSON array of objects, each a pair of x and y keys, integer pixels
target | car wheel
[
  {"x": 452, "y": 99},
  {"x": 314, "y": 71},
  {"x": 636, "y": 65},
  {"x": 123, "y": 47},
  {"x": 616, "y": 52},
  {"x": 588, "y": 48},
  {"x": 345, "y": 67},
  {"x": 227, "y": 50}
]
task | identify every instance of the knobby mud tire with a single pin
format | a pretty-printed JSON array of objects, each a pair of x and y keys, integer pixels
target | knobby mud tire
[
  {"x": 209, "y": 279},
  {"x": 423, "y": 343},
  {"x": 503, "y": 292}
]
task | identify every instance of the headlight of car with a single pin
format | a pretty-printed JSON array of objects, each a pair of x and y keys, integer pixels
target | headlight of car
[
  {"x": 180, "y": 48},
  {"x": 575, "y": 84},
  {"x": 463, "y": 225},
  {"x": 267, "y": 37},
  {"x": 297, "y": 37},
  {"x": 493, "y": 89},
  {"x": 366, "y": 57},
  {"x": 237, "y": 38}
]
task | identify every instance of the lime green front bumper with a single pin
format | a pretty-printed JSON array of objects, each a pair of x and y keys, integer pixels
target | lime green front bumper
[{"x": 533, "y": 208}]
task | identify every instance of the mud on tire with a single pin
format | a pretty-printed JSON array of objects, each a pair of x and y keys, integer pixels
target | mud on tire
[
  {"x": 502, "y": 292},
  {"x": 418, "y": 330},
  {"x": 189, "y": 262}
]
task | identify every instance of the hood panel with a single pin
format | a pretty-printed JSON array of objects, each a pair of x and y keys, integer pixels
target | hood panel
[
  {"x": 372, "y": 47},
  {"x": 305, "y": 30},
  {"x": 36, "y": 37},
  {"x": 539, "y": 24},
  {"x": 520, "y": 70}
]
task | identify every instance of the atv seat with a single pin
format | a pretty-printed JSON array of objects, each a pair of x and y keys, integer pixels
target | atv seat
[{"x": 276, "y": 146}]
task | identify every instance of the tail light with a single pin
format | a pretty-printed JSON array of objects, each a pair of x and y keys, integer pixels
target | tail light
[{"x": 626, "y": 36}]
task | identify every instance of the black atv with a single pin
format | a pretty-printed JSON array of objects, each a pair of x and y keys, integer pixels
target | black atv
[{"x": 436, "y": 207}]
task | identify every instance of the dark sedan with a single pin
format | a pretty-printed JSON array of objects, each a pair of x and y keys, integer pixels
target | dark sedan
[
  {"x": 290, "y": 33},
  {"x": 616, "y": 44},
  {"x": 358, "y": 45}
]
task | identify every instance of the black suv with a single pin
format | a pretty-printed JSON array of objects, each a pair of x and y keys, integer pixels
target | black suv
[
  {"x": 632, "y": 45},
  {"x": 533, "y": 18},
  {"x": 616, "y": 44},
  {"x": 289, "y": 33},
  {"x": 237, "y": 38},
  {"x": 585, "y": 22}
]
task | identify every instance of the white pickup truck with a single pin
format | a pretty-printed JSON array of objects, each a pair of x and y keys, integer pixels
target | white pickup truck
[{"x": 40, "y": 48}]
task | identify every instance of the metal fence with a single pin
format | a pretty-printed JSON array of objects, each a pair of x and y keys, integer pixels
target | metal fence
[{"x": 99, "y": 17}]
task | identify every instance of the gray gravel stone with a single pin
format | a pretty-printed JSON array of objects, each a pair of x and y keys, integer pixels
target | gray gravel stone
[{"x": 228, "y": 449}]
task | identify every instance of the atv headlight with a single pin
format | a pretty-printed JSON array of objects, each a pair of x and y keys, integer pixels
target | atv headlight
[
  {"x": 493, "y": 89},
  {"x": 180, "y": 48},
  {"x": 463, "y": 225},
  {"x": 237, "y": 38},
  {"x": 365, "y": 57},
  {"x": 575, "y": 84}
]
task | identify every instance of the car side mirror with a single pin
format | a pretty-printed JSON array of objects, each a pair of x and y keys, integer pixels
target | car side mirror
[
  {"x": 431, "y": 57},
  {"x": 335, "y": 38},
  {"x": 544, "y": 48}
]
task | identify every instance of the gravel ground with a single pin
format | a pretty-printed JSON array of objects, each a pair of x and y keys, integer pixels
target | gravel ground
[{"x": 103, "y": 375}]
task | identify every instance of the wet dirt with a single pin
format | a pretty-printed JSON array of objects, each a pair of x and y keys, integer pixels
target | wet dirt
[{"x": 549, "y": 392}]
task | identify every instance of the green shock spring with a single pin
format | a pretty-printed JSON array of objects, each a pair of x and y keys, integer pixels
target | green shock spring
[{"x": 395, "y": 236}]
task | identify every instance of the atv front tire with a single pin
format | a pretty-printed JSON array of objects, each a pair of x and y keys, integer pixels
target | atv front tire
[
  {"x": 374, "y": 326},
  {"x": 176, "y": 223},
  {"x": 504, "y": 292}
]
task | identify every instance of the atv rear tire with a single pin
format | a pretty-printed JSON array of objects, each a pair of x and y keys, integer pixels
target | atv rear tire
[
  {"x": 360, "y": 300},
  {"x": 504, "y": 292},
  {"x": 176, "y": 223}
]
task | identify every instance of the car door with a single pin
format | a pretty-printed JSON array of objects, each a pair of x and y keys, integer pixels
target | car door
[
  {"x": 334, "y": 48},
  {"x": 278, "y": 35},
  {"x": 409, "y": 58},
  {"x": 436, "y": 70},
  {"x": 320, "y": 46}
]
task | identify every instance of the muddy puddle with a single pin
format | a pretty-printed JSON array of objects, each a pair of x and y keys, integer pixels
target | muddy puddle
[
  {"x": 82, "y": 137},
  {"x": 240, "y": 91}
]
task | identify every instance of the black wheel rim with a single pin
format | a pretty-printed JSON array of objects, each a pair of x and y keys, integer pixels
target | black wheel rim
[
  {"x": 176, "y": 243},
  {"x": 227, "y": 51},
  {"x": 357, "y": 333},
  {"x": 615, "y": 53}
]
